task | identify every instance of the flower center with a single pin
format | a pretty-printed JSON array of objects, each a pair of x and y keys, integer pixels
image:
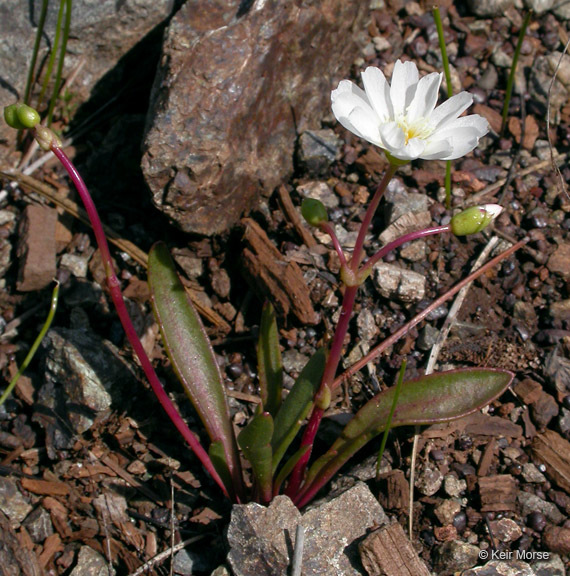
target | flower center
[{"x": 419, "y": 128}]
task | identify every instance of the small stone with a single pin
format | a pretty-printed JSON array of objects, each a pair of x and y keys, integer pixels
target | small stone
[
  {"x": 489, "y": 7},
  {"x": 427, "y": 337},
  {"x": 414, "y": 251},
  {"x": 553, "y": 566},
  {"x": 429, "y": 481},
  {"x": 318, "y": 149},
  {"x": 505, "y": 530},
  {"x": 399, "y": 283},
  {"x": 564, "y": 422},
  {"x": 532, "y": 474},
  {"x": 544, "y": 410},
  {"x": 453, "y": 486},
  {"x": 557, "y": 539},
  {"x": 559, "y": 261},
  {"x": 536, "y": 521},
  {"x": 501, "y": 568},
  {"x": 77, "y": 265},
  {"x": 455, "y": 556},
  {"x": 38, "y": 524},
  {"x": 221, "y": 571},
  {"x": 532, "y": 503},
  {"x": 539, "y": 6},
  {"x": 447, "y": 511},
  {"x": 294, "y": 361},
  {"x": 560, "y": 310},
  {"x": 524, "y": 311},
  {"x": 319, "y": 191},
  {"x": 91, "y": 563},
  {"x": 367, "y": 329},
  {"x": 12, "y": 502}
]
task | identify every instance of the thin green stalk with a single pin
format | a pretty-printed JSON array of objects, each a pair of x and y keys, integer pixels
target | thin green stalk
[
  {"x": 35, "y": 52},
  {"x": 447, "y": 72},
  {"x": 390, "y": 416},
  {"x": 35, "y": 345},
  {"x": 51, "y": 59},
  {"x": 59, "y": 72},
  {"x": 511, "y": 79}
]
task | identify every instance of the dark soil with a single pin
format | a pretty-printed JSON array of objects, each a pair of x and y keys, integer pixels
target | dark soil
[{"x": 515, "y": 317}]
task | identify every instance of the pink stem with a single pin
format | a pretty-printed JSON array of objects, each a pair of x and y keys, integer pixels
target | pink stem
[
  {"x": 333, "y": 359},
  {"x": 117, "y": 297},
  {"x": 409, "y": 237}
]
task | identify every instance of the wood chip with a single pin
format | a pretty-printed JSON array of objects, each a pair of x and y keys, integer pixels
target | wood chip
[
  {"x": 292, "y": 215},
  {"x": 487, "y": 458},
  {"x": 553, "y": 451},
  {"x": 13, "y": 556},
  {"x": 273, "y": 278},
  {"x": 396, "y": 494},
  {"x": 528, "y": 390},
  {"x": 52, "y": 546},
  {"x": 498, "y": 493},
  {"x": 388, "y": 552},
  {"x": 45, "y": 487}
]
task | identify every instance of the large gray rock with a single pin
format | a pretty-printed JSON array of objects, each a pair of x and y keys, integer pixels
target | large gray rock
[
  {"x": 231, "y": 95},
  {"x": 102, "y": 32},
  {"x": 262, "y": 539}
]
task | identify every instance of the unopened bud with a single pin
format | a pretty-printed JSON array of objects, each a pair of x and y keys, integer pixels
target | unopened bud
[
  {"x": 474, "y": 219},
  {"x": 20, "y": 116},
  {"x": 314, "y": 212}
]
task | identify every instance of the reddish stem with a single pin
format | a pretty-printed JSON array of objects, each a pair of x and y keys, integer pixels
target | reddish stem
[
  {"x": 333, "y": 359},
  {"x": 117, "y": 297}
]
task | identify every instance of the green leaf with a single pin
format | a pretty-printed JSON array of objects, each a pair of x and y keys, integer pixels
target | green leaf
[
  {"x": 430, "y": 399},
  {"x": 255, "y": 442},
  {"x": 192, "y": 357},
  {"x": 297, "y": 405},
  {"x": 218, "y": 458},
  {"x": 270, "y": 366}
]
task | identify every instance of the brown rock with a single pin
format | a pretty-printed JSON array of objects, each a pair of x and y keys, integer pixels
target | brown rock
[
  {"x": 530, "y": 131},
  {"x": 559, "y": 261},
  {"x": 557, "y": 539},
  {"x": 232, "y": 92},
  {"x": 36, "y": 248},
  {"x": 493, "y": 117},
  {"x": 544, "y": 410}
]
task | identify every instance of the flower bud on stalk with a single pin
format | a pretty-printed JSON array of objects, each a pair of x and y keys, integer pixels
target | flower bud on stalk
[
  {"x": 21, "y": 117},
  {"x": 314, "y": 212},
  {"x": 474, "y": 219}
]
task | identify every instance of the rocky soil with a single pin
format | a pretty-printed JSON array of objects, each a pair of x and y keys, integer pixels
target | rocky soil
[{"x": 93, "y": 477}]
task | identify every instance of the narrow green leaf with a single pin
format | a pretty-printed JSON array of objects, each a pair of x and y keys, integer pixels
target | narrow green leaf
[
  {"x": 191, "y": 355},
  {"x": 430, "y": 399},
  {"x": 255, "y": 442},
  {"x": 297, "y": 405},
  {"x": 218, "y": 458},
  {"x": 270, "y": 366}
]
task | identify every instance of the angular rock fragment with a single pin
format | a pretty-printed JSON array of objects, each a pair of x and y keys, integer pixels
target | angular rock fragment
[{"x": 230, "y": 97}]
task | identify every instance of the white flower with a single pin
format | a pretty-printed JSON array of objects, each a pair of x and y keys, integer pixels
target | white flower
[{"x": 402, "y": 118}]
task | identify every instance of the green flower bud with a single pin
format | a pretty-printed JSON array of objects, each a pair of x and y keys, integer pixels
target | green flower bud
[
  {"x": 474, "y": 219},
  {"x": 20, "y": 116},
  {"x": 28, "y": 116},
  {"x": 314, "y": 212}
]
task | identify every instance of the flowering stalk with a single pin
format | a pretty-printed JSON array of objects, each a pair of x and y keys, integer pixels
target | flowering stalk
[{"x": 20, "y": 116}]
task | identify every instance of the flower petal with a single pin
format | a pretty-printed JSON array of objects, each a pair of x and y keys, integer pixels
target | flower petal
[
  {"x": 425, "y": 97},
  {"x": 352, "y": 109},
  {"x": 378, "y": 92},
  {"x": 392, "y": 136},
  {"x": 413, "y": 149},
  {"x": 463, "y": 134},
  {"x": 451, "y": 109},
  {"x": 437, "y": 150},
  {"x": 404, "y": 81}
]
